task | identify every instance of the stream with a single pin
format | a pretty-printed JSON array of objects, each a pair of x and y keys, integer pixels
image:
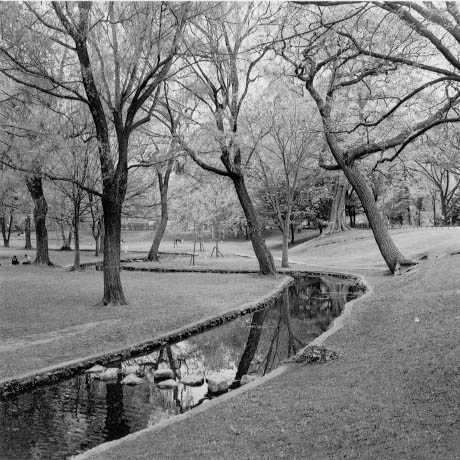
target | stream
[{"x": 74, "y": 415}]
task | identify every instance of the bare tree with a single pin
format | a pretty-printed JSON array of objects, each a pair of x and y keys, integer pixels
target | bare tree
[
  {"x": 437, "y": 160},
  {"x": 112, "y": 57},
  {"x": 222, "y": 58},
  {"x": 283, "y": 160},
  {"x": 331, "y": 64}
]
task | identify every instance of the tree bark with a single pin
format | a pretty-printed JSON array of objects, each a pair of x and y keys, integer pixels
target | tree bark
[
  {"x": 285, "y": 245},
  {"x": 3, "y": 227},
  {"x": 35, "y": 187},
  {"x": 337, "y": 216},
  {"x": 6, "y": 232},
  {"x": 113, "y": 290},
  {"x": 159, "y": 232},
  {"x": 292, "y": 233},
  {"x": 101, "y": 235},
  {"x": 264, "y": 256},
  {"x": 66, "y": 239},
  {"x": 76, "y": 233},
  {"x": 163, "y": 183},
  {"x": 388, "y": 249},
  {"x": 27, "y": 233},
  {"x": 98, "y": 235},
  {"x": 444, "y": 212}
]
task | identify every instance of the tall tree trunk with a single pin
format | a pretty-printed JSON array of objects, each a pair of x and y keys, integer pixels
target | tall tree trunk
[
  {"x": 66, "y": 239},
  {"x": 35, "y": 187},
  {"x": 285, "y": 245},
  {"x": 251, "y": 344},
  {"x": 27, "y": 233},
  {"x": 97, "y": 248},
  {"x": 101, "y": 235},
  {"x": 388, "y": 249},
  {"x": 445, "y": 218},
  {"x": 264, "y": 256},
  {"x": 337, "y": 216},
  {"x": 113, "y": 290},
  {"x": 6, "y": 242},
  {"x": 98, "y": 235},
  {"x": 3, "y": 228},
  {"x": 6, "y": 229},
  {"x": 163, "y": 184},
  {"x": 159, "y": 232},
  {"x": 76, "y": 233},
  {"x": 292, "y": 233},
  {"x": 10, "y": 226}
]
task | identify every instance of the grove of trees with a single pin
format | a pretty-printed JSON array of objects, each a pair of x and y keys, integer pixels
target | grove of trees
[{"x": 229, "y": 118}]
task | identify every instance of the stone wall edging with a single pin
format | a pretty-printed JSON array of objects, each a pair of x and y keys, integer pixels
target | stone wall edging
[{"x": 336, "y": 325}]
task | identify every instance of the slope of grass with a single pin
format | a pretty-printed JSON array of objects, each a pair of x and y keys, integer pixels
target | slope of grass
[
  {"x": 394, "y": 392},
  {"x": 357, "y": 249}
]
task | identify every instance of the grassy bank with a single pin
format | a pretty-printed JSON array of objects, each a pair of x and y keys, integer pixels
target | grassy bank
[
  {"x": 48, "y": 315},
  {"x": 394, "y": 392}
]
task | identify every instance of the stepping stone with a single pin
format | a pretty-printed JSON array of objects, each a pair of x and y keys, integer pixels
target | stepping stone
[
  {"x": 111, "y": 373},
  {"x": 217, "y": 384},
  {"x": 132, "y": 369},
  {"x": 97, "y": 369},
  {"x": 167, "y": 384},
  {"x": 163, "y": 374},
  {"x": 193, "y": 380},
  {"x": 132, "y": 379}
]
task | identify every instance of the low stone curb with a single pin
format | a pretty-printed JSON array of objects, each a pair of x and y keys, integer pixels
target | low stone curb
[
  {"x": 69, "y": 369},
  {"x": 188, "y": 270}
]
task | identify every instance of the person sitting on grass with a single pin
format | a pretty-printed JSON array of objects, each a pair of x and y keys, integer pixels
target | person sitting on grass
[
  {"x": 14, "y": 261},
  {"x": 26, "y": 260}
]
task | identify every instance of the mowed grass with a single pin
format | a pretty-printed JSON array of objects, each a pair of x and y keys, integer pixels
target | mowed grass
[
  {"x": 48, "y": 315},
  {"x": 59, "y": 258},
  {"x": 357, "y": 249},
  {"x": 202, "y": 262},
  {"x": 393, "y": 394}
]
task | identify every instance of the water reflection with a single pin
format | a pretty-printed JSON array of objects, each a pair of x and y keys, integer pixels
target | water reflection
[{"x": 74, "y": 415}]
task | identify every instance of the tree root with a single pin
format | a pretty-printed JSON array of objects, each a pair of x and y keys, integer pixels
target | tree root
[
  {"x": 403, "y": 263},
  {"x": 407, "y": 262}
]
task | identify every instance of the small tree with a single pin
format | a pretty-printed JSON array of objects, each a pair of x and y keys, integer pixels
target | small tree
[{"x": 285, "y": 159}]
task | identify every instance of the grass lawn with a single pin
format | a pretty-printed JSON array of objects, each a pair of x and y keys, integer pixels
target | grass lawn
[
  {"x": 59, "y": 258},
  {"x": 202, "y": 261},
  {"x": 47, "y": 314},
  {"x": 353, "y": 250},
  {"x": 358, "y": 250},
  {"x": 394, "y": 393}
]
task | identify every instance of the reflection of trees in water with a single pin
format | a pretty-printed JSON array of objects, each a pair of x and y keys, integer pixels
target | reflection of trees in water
[
  {"x": 252, "y": 343},
  {"x": 304, "y": 312},
  {"x": 116, "y": 425}
]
